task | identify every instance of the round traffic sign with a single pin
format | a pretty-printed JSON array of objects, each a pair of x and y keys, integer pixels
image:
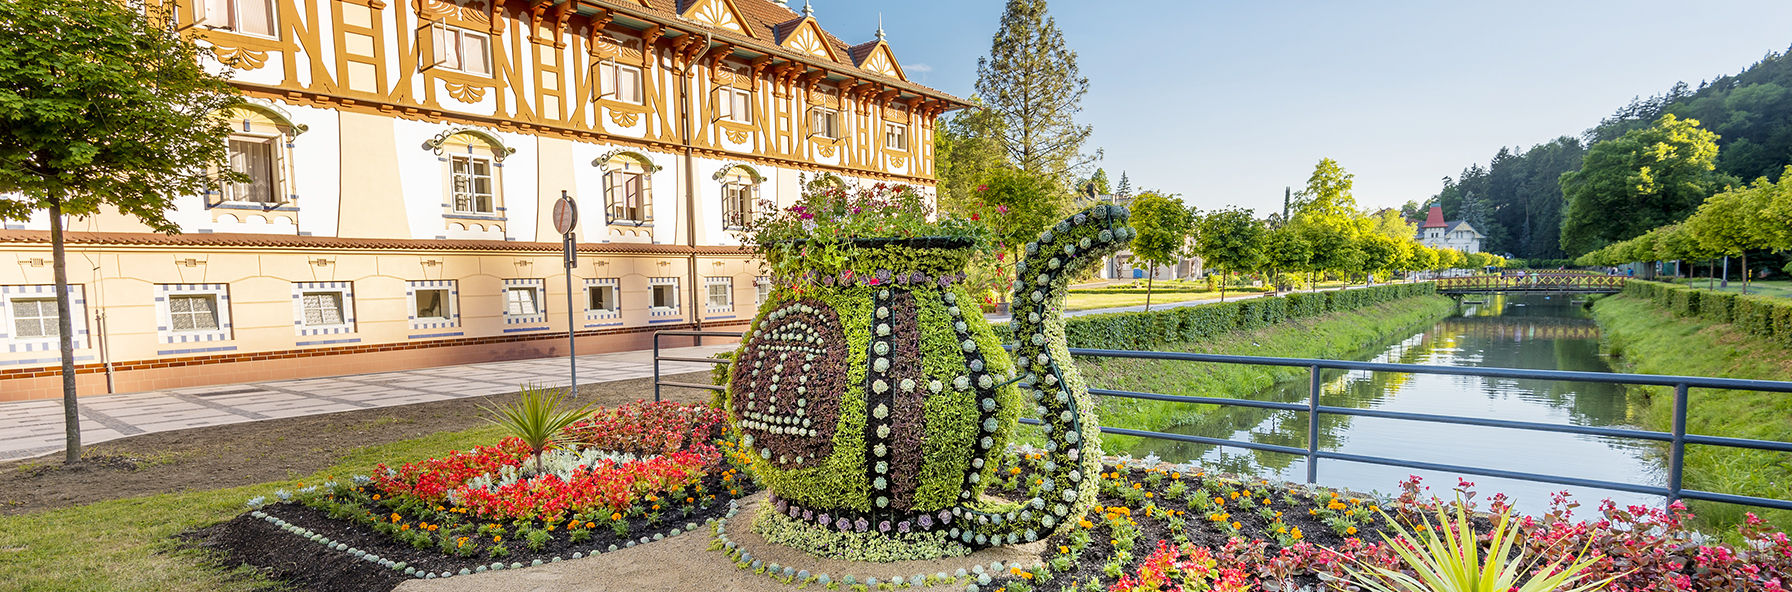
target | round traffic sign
[{"x": 566, "y": 214}]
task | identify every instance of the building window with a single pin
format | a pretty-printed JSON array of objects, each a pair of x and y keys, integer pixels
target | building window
[
  {"x": 737, "y": 205},
  {"x": 762, "y": 290},
  {"x": 255, "y": 17},
  {"x": 256, "y": 157},
  {"x": 431, "y": 305},
  {"x": 601, "y": 298},
  {"x": 719, "y": 293},
  {"x": 472, "y": 184},
  {"x": 461, "y": 50},
  {"x": 664, "y": 291},
  {"x": 735, "y": 105},
  {"x": 895, "y": 136},
  {"x": 323, "y": 309},
  {"x": 825, "y": 123},
  {"x": 628, "y": 189},
  {"x": 620, "y": 82},
  {"x": 193, "y": 312},
  {"x": 34, "y": 318},
  {"x": 522, "y": 302}
]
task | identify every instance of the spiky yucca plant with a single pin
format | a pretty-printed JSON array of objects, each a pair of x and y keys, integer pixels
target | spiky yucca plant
[
  {"x": 1447, "y": 558},
  {"x": 539, "y": 418}
]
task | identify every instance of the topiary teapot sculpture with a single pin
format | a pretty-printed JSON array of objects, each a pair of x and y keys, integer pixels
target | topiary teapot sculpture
[{"x": 877, "y": 401}]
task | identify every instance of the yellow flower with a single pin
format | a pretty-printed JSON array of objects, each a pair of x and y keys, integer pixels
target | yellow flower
[
  {"x": 1350, "y": 530},
  {"x": 1296, "y": 532},
  {"x": 1236, "y": 526}
]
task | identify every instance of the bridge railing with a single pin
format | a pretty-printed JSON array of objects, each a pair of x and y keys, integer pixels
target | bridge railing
[
  {"x": 1492, "y": 283},
  {"x": 1677, "y": 439}
]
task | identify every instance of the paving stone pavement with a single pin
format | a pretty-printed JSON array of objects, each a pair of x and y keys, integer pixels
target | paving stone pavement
[{"x": 34, "y": 428}]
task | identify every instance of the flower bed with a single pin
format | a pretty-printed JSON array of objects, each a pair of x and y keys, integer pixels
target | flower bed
[
  {"x": 628, "y": 475},
  {"x": 1158, "y": 527}
]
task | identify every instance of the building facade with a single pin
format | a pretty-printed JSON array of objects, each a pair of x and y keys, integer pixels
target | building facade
[
  {"x": 1439, "y": 234},
  {"x": 405, "y": 156}
]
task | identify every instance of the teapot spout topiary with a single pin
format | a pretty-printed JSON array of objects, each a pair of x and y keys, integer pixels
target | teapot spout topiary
[{"x": 877, "y": 400}]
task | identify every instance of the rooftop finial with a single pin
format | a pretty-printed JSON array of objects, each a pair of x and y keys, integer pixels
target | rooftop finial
[
  {"x": 880, "y": 26},
  {"x": 807, "y": 9}
]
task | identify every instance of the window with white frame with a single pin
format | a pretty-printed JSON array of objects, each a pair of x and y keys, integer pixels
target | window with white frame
[
  {"x": 254, "y": 17},
  {"x": 737, "y": 204},
  {"x": 471, "y": 178},
  {"x": 433, "y": 303},
  {"x": 193, "y": 312},
  {"x": 734, "y": 104},
  {"x": 664, "y": 292},
  {"x": 719, "y": 293},
  {"x": 825, "y": 122},
  {"x": 461, "y": 50},
  {"x": 628, "y": 190},
  {"x": 323, "y": 309},
  {"x": 603, "y": 298},
  {"x": 522, "y": 301},
  {"x": 895, "y": 136},
  {"x": 257, "y": 158},
  {"x": 620, "y": 82},
  {"x": 762, "y": 290},
  {"x": 28, "y": 320},
  {"x": 34, "y": 318}
]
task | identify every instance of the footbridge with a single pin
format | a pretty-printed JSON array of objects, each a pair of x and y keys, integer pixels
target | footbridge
[{"x": 1532, "y": 283}]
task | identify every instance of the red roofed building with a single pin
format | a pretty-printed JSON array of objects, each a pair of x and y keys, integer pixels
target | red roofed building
[{"x": 1439, "y": 234}]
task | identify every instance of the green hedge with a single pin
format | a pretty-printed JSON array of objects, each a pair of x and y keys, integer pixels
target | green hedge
[
  {"x": 1151, "y": 330},
  {"x": 1755, "y": 315}
]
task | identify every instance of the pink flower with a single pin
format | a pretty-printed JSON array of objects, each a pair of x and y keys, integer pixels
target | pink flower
[
  {"x": 1002, "y": 209},
  {"x": 983, "y": 188}
]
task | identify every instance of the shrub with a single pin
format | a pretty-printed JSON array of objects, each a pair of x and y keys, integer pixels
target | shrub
[{"x": 1761, "y": 316}]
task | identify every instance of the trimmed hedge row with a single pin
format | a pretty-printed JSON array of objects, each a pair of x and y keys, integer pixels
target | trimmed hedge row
[
  {"x": 1761, "y": 316},
  {"x": 1150, "y": 330}
]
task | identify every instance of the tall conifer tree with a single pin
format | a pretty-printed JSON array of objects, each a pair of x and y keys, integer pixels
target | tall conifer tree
[{"x": 1030, "y": 80}]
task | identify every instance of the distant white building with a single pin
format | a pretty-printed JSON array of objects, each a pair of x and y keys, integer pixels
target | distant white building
[{"x": 1459, "y": 235}]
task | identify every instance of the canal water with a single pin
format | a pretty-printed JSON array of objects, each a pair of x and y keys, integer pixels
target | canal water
[{"x": 1535, "y": 332}]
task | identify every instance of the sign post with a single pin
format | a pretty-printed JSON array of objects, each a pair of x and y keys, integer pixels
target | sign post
[{"x": 566, "y": 218}]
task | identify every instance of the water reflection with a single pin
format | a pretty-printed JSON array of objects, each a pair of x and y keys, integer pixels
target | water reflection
[{"x": 1536, "y": 332}]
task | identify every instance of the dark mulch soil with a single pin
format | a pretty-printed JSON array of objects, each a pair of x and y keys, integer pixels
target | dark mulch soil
[
  {"x": 219, "y": 457},
  {"x": 285, "y": 557}
]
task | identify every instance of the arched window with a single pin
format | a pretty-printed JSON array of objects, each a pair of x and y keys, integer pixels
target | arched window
[
  {"x": 740, "y": 195},
  {"x": 260, "y": 147},
  {"x": 628, "y": 188},
  {"x": 473, "y": 160}
]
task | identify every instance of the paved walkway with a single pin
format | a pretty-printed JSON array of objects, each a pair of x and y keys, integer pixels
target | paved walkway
[{"x": 34, "y": 428}]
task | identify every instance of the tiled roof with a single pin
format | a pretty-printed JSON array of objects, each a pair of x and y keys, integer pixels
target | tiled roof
[
  {"x": 150, "y": 239},
  {"x": 764, "y": 18}
]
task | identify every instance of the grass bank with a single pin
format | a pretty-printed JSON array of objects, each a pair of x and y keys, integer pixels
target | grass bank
[
  {"x": 1644, "y": 338},
  {"x": 1338, "y": 334}
]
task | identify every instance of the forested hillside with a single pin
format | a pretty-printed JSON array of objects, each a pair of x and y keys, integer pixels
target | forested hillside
[{"x": 1516, "y": 199}]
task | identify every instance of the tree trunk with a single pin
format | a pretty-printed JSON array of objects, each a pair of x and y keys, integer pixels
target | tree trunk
[
  {"x": 65, "y": 328},
  {"x": 1711, "y": 275},
  {"x": 1222, "y": 287},
  {"x": 1148, "y": 280},
  {"x": 1745, "y": 272}
]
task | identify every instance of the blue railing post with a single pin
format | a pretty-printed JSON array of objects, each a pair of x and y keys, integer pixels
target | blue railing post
[
  {"x": 1313, "y": 426},
  {"x": 1677, "y": 447}
]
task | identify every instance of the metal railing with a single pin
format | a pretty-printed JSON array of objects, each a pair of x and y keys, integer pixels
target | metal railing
[
  {"x": 697, "y": 339},
  {"x": 1532, "y": 283},
  {"x": 1677, "y": 439}
]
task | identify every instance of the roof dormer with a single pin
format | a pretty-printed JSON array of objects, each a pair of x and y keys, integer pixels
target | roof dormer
[
  {"x": 804, "y": 35},
  {"x": 721, "y": 14},
  {"x": 876, "y": 57}
]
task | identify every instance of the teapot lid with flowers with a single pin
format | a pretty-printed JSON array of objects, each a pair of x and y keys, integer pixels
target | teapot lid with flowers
[{"x": 875, "y": 398}]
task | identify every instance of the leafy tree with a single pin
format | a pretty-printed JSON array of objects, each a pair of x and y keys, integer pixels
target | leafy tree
[
  {"x": 1380, "y": 253},
  {"x": 1285, "y": 250},
  {"x": 967, "y": 151},
  {"x": 1646, "y": 178},
  {"x": 1394, "y": 225},
  {"x": 1229, "y": 239},
  {"x": 1728, "y": 223},
  {"x": 1413, "y": 210},
  {"x": 1164, "y": 225},
  {"x": 1020, "y": 205},
  {"x": 1030, "y": 80},
  {"x": 1327, "y": 193},
  {"x": 101, "y": 108},
  {"x": 1096, "y": 184}
]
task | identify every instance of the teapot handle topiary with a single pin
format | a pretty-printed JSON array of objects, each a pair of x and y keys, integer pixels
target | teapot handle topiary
[{"x": 1051, "y": 382}]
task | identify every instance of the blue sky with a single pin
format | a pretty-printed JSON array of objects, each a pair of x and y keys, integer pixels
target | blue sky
[{"x": 1228, "y": 102}]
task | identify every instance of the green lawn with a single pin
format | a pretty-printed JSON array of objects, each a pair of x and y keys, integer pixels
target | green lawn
[
  {"x": 1775, "y": 288},
  {"x": 1076, "y": 301}
]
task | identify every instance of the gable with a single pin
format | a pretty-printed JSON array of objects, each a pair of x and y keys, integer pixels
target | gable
[
  {"x": 883, "y": 62},
  {"x": 806, "y": 37},
  {"x": 721, "y": 14}
]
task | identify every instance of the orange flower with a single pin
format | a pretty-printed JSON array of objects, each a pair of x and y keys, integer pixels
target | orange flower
[{"x": 615, "y": 516}]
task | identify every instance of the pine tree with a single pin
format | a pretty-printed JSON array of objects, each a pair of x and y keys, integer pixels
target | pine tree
[
  {"x": 1125, "y": 189},
  {"x": 1030, "y": 80}
]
